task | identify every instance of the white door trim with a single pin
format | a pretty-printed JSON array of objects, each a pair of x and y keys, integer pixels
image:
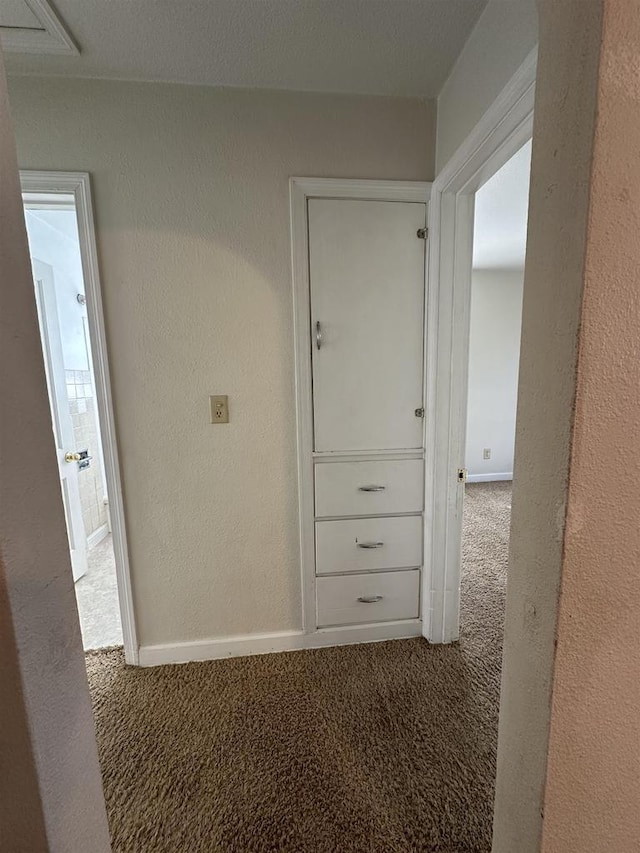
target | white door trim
[
  {"x": 504, "y": 128},
  {"x": 78, "y": 184},
  {"x": 302, "y": 189}
]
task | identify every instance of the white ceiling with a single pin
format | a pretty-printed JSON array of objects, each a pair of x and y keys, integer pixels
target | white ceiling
[
  {"x": 382, "y": 47},
  {"x": 500, "y": 231}
]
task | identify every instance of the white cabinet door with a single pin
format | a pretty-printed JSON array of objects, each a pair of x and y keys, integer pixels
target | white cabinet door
[{"x": 366, "y": 266}]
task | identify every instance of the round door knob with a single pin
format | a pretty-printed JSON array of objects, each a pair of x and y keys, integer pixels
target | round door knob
[{"x": 71, "y": 457}]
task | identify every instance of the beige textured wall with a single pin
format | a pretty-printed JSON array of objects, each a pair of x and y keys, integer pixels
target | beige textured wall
[
  {"x": 592, "y": 799},
  {"x": 503, "y": 37},
  {"x": 21, "y": 817},
  {"x": 554, "y": 277},
  {"x": 191, "y": 197},
  {"x": 495, "y": 319},
  {"x": 50, "y": 786}
]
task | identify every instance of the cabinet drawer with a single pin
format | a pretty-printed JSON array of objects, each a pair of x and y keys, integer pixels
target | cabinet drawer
[
  {"x": 368, "y": 544},
  {"x": 369, "y": 488},
  {"x": 387, "y": 596}
]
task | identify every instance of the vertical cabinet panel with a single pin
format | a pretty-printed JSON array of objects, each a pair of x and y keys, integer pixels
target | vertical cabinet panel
[{"x": 366, "y": 267}]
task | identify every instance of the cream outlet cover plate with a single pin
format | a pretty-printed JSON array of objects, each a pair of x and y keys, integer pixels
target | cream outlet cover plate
[{"x": 219, "y": 404}]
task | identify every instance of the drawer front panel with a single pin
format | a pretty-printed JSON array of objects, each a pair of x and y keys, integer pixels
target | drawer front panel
[
  {"x": 369, "y": 488},
  {"x": 368, "y": 544},
  {"x": 358, "y": 599}
]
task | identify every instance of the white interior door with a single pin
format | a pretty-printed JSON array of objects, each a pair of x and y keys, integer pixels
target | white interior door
[
  {"x": 62, "y": 423},
  {"x": 366, "y": 267}
]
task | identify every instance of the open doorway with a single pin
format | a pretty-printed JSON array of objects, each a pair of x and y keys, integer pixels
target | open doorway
[
  {"x": 56, "y": 219},
  {"x": 504, "y": 129},
  {"x": 497, "y": 282},
  {"x": 54, "y": 246}
]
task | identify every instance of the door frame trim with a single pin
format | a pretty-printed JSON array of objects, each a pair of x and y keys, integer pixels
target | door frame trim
[
  {"x": 78, "y": 184},
  {"x": 300, "y": 191},
  {"x": 501, "y": 132}
]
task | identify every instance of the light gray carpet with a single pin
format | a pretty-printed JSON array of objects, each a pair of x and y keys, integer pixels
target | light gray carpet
[
  {"x": 97, "y": 597},
  {"x": 383, "y": 747}
]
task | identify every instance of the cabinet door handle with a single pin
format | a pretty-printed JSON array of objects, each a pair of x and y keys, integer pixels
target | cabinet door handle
[
  {"x": 369, "y": 599},
  {"x": 369, "y": 545},
  {"x": 371, "y": 488},
  {"x": 318, "y": 334}
]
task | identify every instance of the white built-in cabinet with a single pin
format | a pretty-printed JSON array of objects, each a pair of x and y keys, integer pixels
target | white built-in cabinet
[{"x": 359, "y": 283}]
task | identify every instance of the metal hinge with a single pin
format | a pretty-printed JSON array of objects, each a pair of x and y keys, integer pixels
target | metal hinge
[
  {"x": 419, "y": 413},
  {"x": 462, "y": 475},
  {"x": 422, "y": 233}
]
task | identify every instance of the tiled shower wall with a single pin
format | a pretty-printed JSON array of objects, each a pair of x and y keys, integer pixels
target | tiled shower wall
[{"x": 85, "y": 426}]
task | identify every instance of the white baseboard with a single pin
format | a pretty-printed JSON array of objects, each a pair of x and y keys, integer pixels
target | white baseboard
[
  {"x": 97, "y": 536},
  {"x": 282, "y": 641},
  {"x": 489, "y": 478},
  {"x": 324, "y": 637}
]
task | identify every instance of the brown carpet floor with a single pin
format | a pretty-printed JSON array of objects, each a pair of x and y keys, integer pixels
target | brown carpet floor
[{"x": 360, "y": 749}]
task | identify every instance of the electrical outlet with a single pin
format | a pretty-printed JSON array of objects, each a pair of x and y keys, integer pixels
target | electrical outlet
[
  {"x": 486, "y": 453},
  {"x": 219, "y": 404}
]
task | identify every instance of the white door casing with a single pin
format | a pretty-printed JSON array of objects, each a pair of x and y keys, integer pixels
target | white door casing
[
  {"x": 502, "y": 131},
  {"x": 366, "y": 268},
  {"x": 44, "y": 282},
  {"x": 77, "y": 184}
]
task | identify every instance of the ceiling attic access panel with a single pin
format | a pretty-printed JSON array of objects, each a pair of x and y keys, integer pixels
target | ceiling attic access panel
[{"x": 33, "y": 26}]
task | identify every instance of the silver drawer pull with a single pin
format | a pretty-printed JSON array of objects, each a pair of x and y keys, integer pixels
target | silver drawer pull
[
  {"x": 371, "y": 488},
  {"x": 369, "y": 545},
  {"x": 369, "y": 599}
]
